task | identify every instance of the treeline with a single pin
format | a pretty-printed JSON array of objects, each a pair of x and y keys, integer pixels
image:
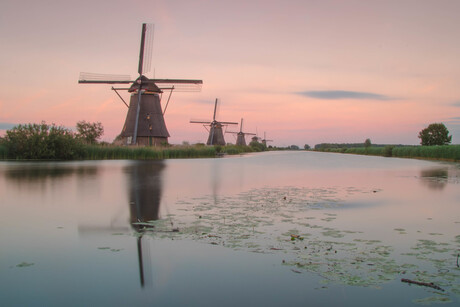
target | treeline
[
  {"x": 443, "y": 152},
  {"x": 325, "y": 146}
]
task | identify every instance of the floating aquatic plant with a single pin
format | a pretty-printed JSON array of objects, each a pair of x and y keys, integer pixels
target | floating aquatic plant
[{"x": 292, "y": 222}]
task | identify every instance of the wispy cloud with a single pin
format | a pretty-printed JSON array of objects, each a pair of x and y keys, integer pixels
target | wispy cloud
[
  {"x": 6, "y": 126},
  {"x": 335, "y": 95},
  {"x": 456, "y": 104}
]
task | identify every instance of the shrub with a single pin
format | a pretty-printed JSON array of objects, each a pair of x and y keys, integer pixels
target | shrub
[{"x": 42, "y": 141}]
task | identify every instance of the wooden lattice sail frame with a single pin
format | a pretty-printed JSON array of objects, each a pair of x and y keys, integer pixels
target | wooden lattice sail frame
[{"x": 144, "y": 123}]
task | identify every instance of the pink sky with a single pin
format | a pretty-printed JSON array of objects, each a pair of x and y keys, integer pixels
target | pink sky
[{"x": 306, "y": 72}]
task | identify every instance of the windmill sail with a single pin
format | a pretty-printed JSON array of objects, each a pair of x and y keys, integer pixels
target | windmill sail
[
  {"x": 144, "y": 124},
  {"x": 216, "y": 135},
  {"x": 240, "y": 136}
]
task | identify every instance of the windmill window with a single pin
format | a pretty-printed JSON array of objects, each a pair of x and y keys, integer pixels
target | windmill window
[
  {"x": 150, "y": 127},
  {"x": 148, "y": 115}
]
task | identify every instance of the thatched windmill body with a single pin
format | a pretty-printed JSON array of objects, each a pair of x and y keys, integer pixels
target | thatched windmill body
[
  {"x": 216, "y": 135},
  {"x": 144, "y": 123},
  {"x": 241, "y": 136}
]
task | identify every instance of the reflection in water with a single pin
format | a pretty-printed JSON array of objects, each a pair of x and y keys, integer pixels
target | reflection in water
[
  {"x": 435, "y": 178},
  {"x": 38, "y": 171},
  {"x": 145, "y": 187}
]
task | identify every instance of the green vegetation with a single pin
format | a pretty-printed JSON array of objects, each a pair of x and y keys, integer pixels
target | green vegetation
[
  {"x": 51, "y": 142},
  {"x": 446, "y": 152},
  {"x": 96, "y": 152},
  {"x": 435, "y": 134},
  {"x": 41, "y": 141},
  {"x": 88, "y": 132},
  {"x": 367, "y": 143},
  {"x": 256, "y": 146},
  {"x": 3, "y": 151}
]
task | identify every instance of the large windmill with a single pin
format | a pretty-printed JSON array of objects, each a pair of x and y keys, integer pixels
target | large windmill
[
  {"x": 216, "y": 136},
  {"x": 144, "y": 124},
  {"x": 240, "y": 136}
]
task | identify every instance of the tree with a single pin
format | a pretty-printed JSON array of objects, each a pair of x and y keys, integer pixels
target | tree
[
  {"x": 367, "y": 143},
  {"x": 89, "y": 132},
  {"x": 435, "y": 134},
  {"x": 306, "y": 147}
]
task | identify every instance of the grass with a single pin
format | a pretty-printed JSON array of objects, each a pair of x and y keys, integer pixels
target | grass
[
  {"x": 147, "y": 153},
  {"x": 110, "y": 152},
  {"x": 446, "y": 152}
]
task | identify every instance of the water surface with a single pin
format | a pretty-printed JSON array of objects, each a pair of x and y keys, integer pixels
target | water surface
[{"x": 272, "y": 228}]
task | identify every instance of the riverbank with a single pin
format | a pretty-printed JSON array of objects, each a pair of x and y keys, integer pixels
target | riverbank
[
  {"x": 110, "y": 152},
  {"x": 443, "y": 153}
]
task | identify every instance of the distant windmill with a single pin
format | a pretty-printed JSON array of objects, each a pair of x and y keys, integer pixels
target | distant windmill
[
  {"x": 144, "y": 124},
  {"x": 216, "y": 136},
  {"x": 240, "y": 136},
  {"x": 264, "y": 140}
]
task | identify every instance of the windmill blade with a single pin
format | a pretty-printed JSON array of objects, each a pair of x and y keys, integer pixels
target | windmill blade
[
  {"x": 228, "y": 123},
  {"x": 88, "y": 77},
  {"x": 148, "y": 48},
  {"x": 215, "y": 108},
  {"x": 145, "y": 51},
  {"x": 176, "y": 81},
  {"x": 178, "y": 85},
  {"x": 200, "y": 122},
  {"x": 248, "y": 133}
]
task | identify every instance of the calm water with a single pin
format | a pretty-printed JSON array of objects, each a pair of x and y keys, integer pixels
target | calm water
[{"x": 267, "y": 229}]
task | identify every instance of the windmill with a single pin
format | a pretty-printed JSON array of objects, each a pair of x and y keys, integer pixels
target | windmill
[
  {"x": 264, "y": 140},
  {"x": 216, "y": 136},
  {"x": 240, "y": 136},
  {"x": 144, "y": 123}
]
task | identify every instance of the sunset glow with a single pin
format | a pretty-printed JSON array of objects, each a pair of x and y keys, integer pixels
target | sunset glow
[{"x": 304, "y": 72}]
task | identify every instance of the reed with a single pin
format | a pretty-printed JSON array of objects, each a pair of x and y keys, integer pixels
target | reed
[
  {"x": 445, "y": 152},
  {"x": 372, "y": 151},
  {"x": 146, "y": 153},
  {"x": 236, "y": 150}
]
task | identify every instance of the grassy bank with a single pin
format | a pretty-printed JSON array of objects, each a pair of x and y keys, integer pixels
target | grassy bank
[
  {"x": 146, "y": 153},
  {"x": 445, "y": 153},
  {"x": 109, "y": 152}
]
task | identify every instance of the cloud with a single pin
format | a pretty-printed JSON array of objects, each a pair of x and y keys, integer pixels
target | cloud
[
  {"x": 6, "y": 126},
  {"x": 334, "y": 95},
  {"x": 456, "y": 104}
]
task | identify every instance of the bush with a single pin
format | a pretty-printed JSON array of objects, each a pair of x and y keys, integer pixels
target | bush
[{"x": 42, "y": 141}]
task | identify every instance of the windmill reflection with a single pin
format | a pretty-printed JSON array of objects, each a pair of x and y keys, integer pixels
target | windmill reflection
[{"x": 145, "y": 189}]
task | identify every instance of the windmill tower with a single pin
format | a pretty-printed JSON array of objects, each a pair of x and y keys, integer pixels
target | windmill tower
[
  {"x": 144, "y": 123},
  {"x": 264, "y": 140},
  {"x": 216, "y": 136},
  {"x": 240, "y": 136}
]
